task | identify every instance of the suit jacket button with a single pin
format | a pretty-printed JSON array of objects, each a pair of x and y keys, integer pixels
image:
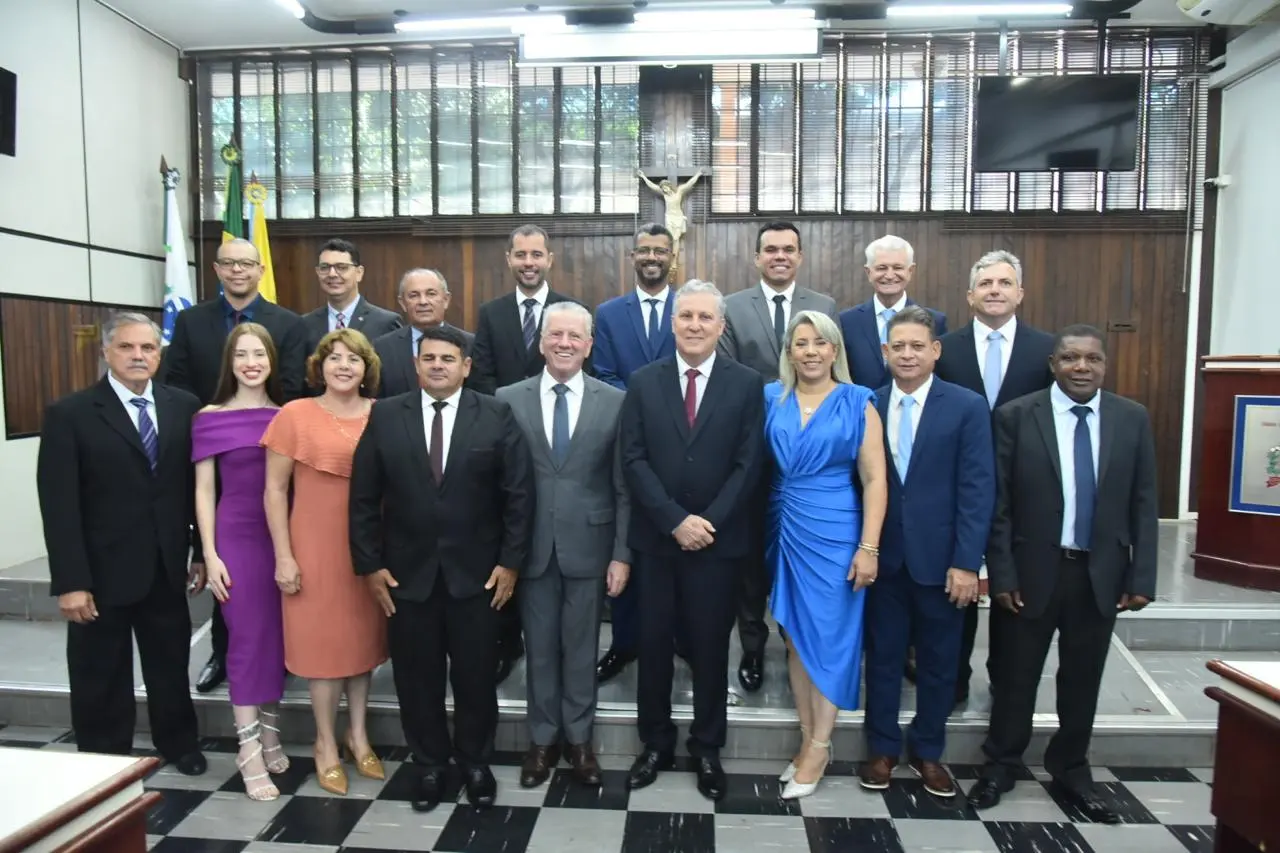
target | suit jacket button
[{"x": 688, "y": 459}]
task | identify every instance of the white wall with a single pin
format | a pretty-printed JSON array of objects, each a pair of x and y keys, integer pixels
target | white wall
[
  {"x": 99, "y": 103},
  {"x": 1246, "y": 295}
]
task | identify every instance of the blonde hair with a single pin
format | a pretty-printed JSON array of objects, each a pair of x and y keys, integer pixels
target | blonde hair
[{"x": 829, "y": 332}]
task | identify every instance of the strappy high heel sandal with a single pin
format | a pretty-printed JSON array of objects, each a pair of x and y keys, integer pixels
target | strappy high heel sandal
[
  {"x": 790, "y": 773},
  {"x": 254, "y": 786},
  {"x": 279, "y": 762},
  {"x": 796, "y": 789}
]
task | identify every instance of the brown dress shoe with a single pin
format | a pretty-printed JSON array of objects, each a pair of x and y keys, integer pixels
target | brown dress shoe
[
  {"x": 585, "y": 767},
  {"x": 937, "y": 780},
  {"x": 875, "y": 772},
  {"x": 538, "y": 763}
]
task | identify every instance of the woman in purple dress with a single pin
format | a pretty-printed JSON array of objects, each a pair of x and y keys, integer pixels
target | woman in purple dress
[{"x": 225, "y": 439}]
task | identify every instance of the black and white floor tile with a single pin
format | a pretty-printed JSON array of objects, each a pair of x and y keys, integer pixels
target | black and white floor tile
[{"x": 1165, "y": 810}]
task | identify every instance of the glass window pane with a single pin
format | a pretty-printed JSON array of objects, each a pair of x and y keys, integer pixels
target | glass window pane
[
  {"x": 951, "y": 103},
  {"x": 776, "y": 169},
  {"x": 217, "y": 126},
  {"x": 495, "y": 145},
  {"x": 904, "y": 124},
  {"x": 619, "y": 138},
  {"x": 453, "y": 105},
  {"x": 577, "y": 140},
  {"x": 258, "y": 129},
  {"x": 373, "y": 136},
  {"x": 731, "y": 138},
  {"x": 536, "y": 137},
  {"x": 819, "y": 134},
  {"x": 413, "y": 135},
  {"x": 333, "y": 120},
  {"x": 297, "y": 149},
  {"x": 863, "y": 127}
]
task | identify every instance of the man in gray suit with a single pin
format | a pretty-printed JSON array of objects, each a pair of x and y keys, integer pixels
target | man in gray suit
[
  {"x": 755, "y": 322},
  {"x": 340, "y": 272},
  {"x": 579, "y": 541},
  {"x": 424, "y": 298}
]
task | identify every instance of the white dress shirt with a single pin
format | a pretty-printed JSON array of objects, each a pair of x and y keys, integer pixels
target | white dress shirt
[
  {"x": 787, "y": 296},
  {"x": 126, "y": 395},
  {"x": 541, "y": 297},
  {"x": 448, "y": 415},
  {"x": 880, "y": 307},
  {"x": 661, "y": 307},
  {"x": 1064, "y": 424},
  {"x": 704, "y": 374},
  {"x": 347, "y": 310},
  {"x": 980, "y": 332},
  {"x": 895, "y": 415},
  {"x": 573, "y": 399}
]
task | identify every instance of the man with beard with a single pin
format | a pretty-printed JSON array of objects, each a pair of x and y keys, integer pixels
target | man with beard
[
  {"x": 424, "y": 298},
  {"x": 632, "y": 331},
  {"x": 506, "y": 351},
  {"x": 755, "y": 324}
]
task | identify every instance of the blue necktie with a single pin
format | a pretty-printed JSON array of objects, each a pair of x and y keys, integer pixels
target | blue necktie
[
  {"x": 886, "y": 315},
  {"x": 560, "y": 425},
  {"x": 529, "y": 326},
  {"x": 991, "y": 377},
  {"x": 905, "y": 434},
  {"x": 147, "y": 429},
  {"x": 653, "y": 321},
  {"x": 1086, "y": 483}
]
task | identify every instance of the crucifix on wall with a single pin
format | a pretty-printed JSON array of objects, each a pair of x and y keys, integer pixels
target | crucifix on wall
[{"x": 673, "y": 194}]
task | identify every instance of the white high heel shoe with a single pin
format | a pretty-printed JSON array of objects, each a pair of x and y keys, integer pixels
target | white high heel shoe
[
  {"x": 796, "y": 790},
  {"x": 790, "y": 772}
]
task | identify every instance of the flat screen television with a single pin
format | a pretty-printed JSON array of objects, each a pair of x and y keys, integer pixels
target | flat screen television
[{"x": 1073, "y": 123}]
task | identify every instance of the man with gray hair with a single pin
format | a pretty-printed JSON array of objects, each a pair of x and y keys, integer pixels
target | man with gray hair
[
  {"x": 424, "y": 299},
  {"x": 692, "y": 438},
  {"x": 891, "y": 264},
  {"x": 1002, "y": 359},
  {"x": 117, "y": 494}
]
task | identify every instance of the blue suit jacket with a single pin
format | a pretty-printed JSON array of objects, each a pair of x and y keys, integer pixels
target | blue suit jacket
[
  {"x": 941, "y": 517},
  {"x": 621, "y": 341},
  {"x": 862, "y": 342}
]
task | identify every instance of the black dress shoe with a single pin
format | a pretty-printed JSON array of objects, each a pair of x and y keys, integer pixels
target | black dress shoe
[
  {"x": 482, "y": 788},
  {"x": 1088, "y": 802},
  {"x": 611, "y": 664},
  {"x": 751, "y": 671},
  {"x": 430, "y": 791},
  {"x": 213, "y": 674},
  {"x": 191, "y": 764},
  {"x": 647, "y": 766},
  {"x": 985, "y": 793},
  {"x": 711, "y": 781}
]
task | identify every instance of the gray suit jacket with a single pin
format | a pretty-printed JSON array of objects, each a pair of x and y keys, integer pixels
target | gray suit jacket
[
  {"x": 748, "y": 326},
  {"x": 368, "y": 319},
  {"x": 583, "y": 508}
]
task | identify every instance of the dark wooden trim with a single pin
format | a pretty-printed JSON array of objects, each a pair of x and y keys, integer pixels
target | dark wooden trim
[
  {"x": 1208, "y": 361},
  {"x": 1236, "y": 573},
  {"x": 79, "y": 244},
  {"x": 30, "y": 834},
  {"x": 1230, "y": 673},
  {"x": 124, "y": 830},
  {"x": 1208, "y": 250}
]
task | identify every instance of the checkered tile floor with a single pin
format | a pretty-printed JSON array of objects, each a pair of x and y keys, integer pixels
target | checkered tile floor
[{"x": 1164, "y": 809}]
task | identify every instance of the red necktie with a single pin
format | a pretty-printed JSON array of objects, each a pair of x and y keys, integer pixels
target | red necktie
[{"x": 691, "y": 396}]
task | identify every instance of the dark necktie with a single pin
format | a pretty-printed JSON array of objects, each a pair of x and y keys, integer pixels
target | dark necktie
[
  {"x": 437, "y": 442},
  {"x": 341, "y": 321},
  {"x": 1086, "y": 484},
  {"x": 691, "y": 396},
  {"x": 147, "y": 429},
  {"x": 529, "y": 326},
  {"x": 653, "y": 321},
  {"x": 779, "y": 319},
  {"x": 560, "y": 425}
]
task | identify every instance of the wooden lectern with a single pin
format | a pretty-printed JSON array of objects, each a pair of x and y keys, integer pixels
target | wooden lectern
[
  {"x": 1245, "y": 787},
  {"x": 1238, "y": 531}
]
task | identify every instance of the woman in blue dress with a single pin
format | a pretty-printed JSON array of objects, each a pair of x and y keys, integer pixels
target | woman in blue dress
[{"x": 823, "y": 538}]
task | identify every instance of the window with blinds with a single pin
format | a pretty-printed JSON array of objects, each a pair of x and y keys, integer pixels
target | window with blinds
[{"x": 422, "y": 133}]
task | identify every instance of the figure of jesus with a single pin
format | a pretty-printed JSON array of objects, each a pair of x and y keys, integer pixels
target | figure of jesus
[{"x": 674, "y": 197}]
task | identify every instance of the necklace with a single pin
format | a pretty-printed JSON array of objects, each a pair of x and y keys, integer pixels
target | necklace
[{"x": 364, "y": 418}]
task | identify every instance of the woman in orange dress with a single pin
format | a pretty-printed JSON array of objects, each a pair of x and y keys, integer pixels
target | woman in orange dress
[{"x": 335, "y": 634}]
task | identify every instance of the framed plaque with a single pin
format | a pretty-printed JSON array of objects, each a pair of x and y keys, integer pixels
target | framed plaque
[{"x": 1255, "y": 456}]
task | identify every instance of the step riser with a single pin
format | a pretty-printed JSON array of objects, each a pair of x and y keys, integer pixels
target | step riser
[{"x": 1200, "y": 635}]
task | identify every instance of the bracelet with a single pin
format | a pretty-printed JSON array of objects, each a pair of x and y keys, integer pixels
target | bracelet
[{"x": 873, "y": 550}]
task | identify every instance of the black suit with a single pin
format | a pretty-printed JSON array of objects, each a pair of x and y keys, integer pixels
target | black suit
[
  {"x": 115, "y": 529},
  {"x": 1027, "y": 373},
  {"x": 673, "y": 471},
  {"x": 399, "y": 365},
  {"x": 441, "y": 543},
  {"x": 367, "y": 319},
  {"x": 499, "y": 357},
  {"x": 1074, "y": 594}
]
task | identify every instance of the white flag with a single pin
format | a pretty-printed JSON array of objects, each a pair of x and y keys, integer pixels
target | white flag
[{"x": 177, "y": 276}]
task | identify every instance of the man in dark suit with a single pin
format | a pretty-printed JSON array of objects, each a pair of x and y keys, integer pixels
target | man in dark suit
[
  {"x": 424, "y": 298},
  {"x": 117, "y": 494},
  {"x": 442, "y": 501},
  {"x": 755, "y": 323},
  {"x": 632, "y": 331},
  {"x": 1072, "y": 545},
  {"x": 1002, "y": 359},
  {"x": 891, "y": 264},
  {"x": 193, "y": 361},
  {"x": 941, "y": 496},
  {"x": 505, "y": 352},
  {"x": 340, "y": 274},
  {"x": 692, "y": 432}
]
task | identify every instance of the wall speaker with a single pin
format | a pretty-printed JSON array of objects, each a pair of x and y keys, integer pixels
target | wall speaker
[{"x": 8, "y": 112}]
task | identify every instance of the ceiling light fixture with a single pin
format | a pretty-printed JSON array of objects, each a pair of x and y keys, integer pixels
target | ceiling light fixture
[
  {"x": 978, "y": 10},
  {"x": 582, "y": 46},
  {"x": 733, "y": 19},
  {"x": 511, "y": 23},
  {"x": 294, "y": 7}
]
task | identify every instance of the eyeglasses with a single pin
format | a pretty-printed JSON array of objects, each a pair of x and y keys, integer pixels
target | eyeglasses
[
  {"x": 645, "y": 251},
  {"x": 234, "y": 264},
  {"x": 340, "y": 269}
]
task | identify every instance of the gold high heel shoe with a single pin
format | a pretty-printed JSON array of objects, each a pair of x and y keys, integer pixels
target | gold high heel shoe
[
  {"x": 332, "y": 779},
  {"x": 368, "y": 766}
]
